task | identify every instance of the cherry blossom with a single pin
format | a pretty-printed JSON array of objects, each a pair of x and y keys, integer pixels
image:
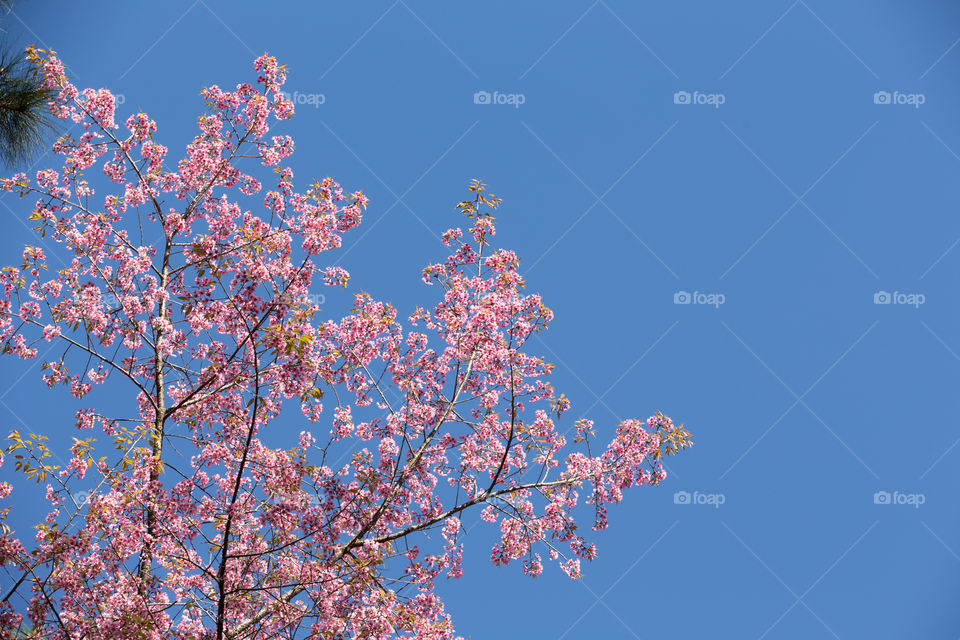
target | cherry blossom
[{"x": 187, "y": 293}]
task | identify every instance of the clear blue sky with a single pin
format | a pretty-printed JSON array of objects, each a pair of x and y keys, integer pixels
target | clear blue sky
[{"x": 795, "y": 201}]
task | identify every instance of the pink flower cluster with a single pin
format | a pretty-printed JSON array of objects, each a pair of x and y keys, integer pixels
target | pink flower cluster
[{"x": 208, "y": 518}]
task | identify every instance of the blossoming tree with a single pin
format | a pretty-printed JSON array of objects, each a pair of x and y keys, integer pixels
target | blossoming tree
[{"x": 198, "y": 311}]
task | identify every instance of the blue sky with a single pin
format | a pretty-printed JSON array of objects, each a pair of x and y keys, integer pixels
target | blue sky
[{"x": 786, "y": 168}]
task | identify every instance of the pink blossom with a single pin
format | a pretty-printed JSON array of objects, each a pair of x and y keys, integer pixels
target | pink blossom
[{"x": 184, "y": 300}]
